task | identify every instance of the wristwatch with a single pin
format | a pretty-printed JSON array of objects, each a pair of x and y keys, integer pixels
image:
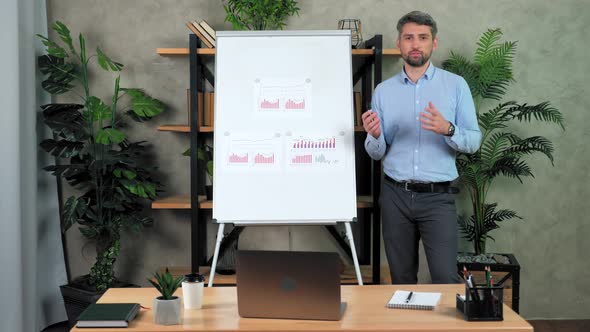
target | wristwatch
[{"x": 451, "y": 131}]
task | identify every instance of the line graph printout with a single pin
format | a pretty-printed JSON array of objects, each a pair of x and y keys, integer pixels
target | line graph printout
[
  {"x": 285, "y": 96},
  {"x": 315, "y": 152},
  {"x": 247, "y": 152}
]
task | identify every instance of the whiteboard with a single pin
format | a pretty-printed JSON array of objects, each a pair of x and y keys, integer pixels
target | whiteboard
[{"x": 283, "y": 129}]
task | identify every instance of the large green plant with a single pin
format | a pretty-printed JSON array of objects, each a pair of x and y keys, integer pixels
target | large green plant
[
  {"x": 95, "y": 156},
  {"x": 259, "y": 14},
  {"x": 502, "y": 151}
]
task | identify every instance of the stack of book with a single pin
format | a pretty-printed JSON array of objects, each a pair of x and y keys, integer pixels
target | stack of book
[
  {"x": 204, "y": 31},
  {"x": 205, "y": 107}
]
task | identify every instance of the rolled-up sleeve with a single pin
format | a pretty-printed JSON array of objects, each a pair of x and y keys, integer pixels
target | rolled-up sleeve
[
  {"x": 375, "y": 147},
  {"x": 467, "y": 137}
]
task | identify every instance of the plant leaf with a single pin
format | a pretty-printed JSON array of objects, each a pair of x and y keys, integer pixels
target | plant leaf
[
  {"x": 64, "y": 34},
  {"x": 97, "y": 109},
  {"x": 109, "y": 135},
  {"x": 106, "y": 63},
  {"x": 74, "y": 210},
  {"x": 61, "y": 74},
  {"x": 65, "y": 120},
  {"x": 144, "y": 106},
  {"x": 62, "y": 148},
  {"x": 52, "y": 48}
]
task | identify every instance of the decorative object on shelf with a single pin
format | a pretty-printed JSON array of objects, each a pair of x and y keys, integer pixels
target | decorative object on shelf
[
  {"x": 259, "y": 14},
  {"x": 167, "y": 306},
  {"x": 107, "y": 170},
  {"x": 355, "y": 27},
  {"x": 501, "y": 151}
]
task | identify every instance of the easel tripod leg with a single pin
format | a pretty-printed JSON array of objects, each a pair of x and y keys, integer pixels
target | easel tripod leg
[
  {"x": 216, "y": 254},
  {"x": 353, "y": 249}
]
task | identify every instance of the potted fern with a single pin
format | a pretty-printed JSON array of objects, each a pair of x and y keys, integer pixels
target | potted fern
[
  {"x": 502, "y": 152},
  {"x": 167, "y": 305},
  {"x": 105, "y": 169}
]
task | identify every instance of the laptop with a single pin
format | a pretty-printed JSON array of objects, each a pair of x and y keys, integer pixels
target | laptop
[{"x": 289, "y": 284}]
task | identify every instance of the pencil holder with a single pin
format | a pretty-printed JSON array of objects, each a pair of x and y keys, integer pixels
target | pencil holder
[{"x": 482, "y": 303}]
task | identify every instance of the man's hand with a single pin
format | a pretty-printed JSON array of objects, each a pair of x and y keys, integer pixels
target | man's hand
[
  {"x": 434, "y": 121},
  {"x": 371, "y": 123}
]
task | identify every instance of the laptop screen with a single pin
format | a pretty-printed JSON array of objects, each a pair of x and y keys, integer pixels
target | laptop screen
[{"x": 288, "y": 284}]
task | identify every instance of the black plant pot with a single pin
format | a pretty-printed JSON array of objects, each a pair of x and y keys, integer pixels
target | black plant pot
[
  {"x": 77, "y": 298},
  {"x": 209, "y": 192}
]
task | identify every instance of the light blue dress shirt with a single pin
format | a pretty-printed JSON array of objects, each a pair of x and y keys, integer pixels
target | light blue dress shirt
[{"x": 409, "y": 152}]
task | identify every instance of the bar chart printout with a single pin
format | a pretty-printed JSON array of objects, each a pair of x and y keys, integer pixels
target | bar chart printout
[
  {"x": 322, "y": 152},
  {"x": 283, "y": 96},
  {"x": 251, "y": 152}
]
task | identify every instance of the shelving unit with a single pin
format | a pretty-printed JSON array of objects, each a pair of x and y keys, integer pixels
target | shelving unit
[{"x": 367, "y": 67}]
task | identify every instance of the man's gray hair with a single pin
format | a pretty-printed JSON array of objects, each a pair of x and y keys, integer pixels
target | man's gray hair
[{"x": 419, "y": 18}]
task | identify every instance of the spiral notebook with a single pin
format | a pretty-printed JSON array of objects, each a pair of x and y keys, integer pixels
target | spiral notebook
[{"x": 418, "y": 300}]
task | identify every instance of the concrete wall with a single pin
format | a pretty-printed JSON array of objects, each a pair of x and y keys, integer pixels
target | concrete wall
[{"x": 551, "y": 243}]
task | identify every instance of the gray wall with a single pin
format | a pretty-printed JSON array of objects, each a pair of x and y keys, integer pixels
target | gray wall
[{"x": 551, "y": 244}]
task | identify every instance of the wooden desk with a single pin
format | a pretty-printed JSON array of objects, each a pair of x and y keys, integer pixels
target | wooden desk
[{"x": 366, "y": 311}]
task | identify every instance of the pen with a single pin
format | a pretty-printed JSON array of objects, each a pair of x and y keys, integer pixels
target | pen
[{"x": 409, "y": 297}]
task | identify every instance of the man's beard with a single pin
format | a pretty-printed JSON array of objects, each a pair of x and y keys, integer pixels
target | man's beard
[{"x": 416, "y": 62}]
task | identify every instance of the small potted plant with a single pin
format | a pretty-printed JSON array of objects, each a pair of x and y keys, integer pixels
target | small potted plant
[{"x": 167, "y": 306}]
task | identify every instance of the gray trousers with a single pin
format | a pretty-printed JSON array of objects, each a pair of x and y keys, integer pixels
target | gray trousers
[{"x": 408, "y": 217}]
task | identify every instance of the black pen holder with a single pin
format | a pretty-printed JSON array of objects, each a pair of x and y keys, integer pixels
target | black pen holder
[{"x": 482, "y": 303}]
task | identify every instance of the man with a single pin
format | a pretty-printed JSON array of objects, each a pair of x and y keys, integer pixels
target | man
[{"x": 420, "y": 118}]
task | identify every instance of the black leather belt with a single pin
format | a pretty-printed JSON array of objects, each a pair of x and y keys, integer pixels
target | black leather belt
[{"x": 432, "y": 187}]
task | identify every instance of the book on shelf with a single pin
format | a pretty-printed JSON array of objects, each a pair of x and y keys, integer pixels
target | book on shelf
[
  {"x": 357, "y": 109},
  {"x": 211, "y": 108},
  {"x": 208, "y": 28},
  {"x": 200, "y": 32},
  {"x": 108, "y": 315},
  {"x": 402, "y": 299},
  {"x": 206, "y": 35}
]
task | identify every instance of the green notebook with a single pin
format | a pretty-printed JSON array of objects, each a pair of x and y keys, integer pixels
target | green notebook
[{"x": 108, "y": 315}]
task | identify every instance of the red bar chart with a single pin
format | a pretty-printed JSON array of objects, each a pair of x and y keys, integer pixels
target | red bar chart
[
  {"x": 295, "y": 105},
  {"x": 238, "y": 159},
  {"x": 302, "y": 159},
  {"x": 262, "y": 159},
  {"x": 266, "y": 104},
  {"x": 328, "y": 143}
]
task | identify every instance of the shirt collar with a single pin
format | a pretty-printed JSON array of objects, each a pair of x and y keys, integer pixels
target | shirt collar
[{"x": 428, "y": 74}]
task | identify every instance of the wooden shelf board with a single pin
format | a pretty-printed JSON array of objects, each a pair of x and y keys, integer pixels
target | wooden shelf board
[
  {"x": 183, "y": 51},
  {"x": 348, "y": 277},
  {"x": 391, "y": 51},
  {"x": 184, "y": 128},
  {"x": 180, "y": 202},
  {"x": 211, "y": 51},
  {"x": 184, "y": 202}
]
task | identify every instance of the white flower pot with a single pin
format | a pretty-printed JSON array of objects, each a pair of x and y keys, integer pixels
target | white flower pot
[{"x": 167, "y": 312}]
